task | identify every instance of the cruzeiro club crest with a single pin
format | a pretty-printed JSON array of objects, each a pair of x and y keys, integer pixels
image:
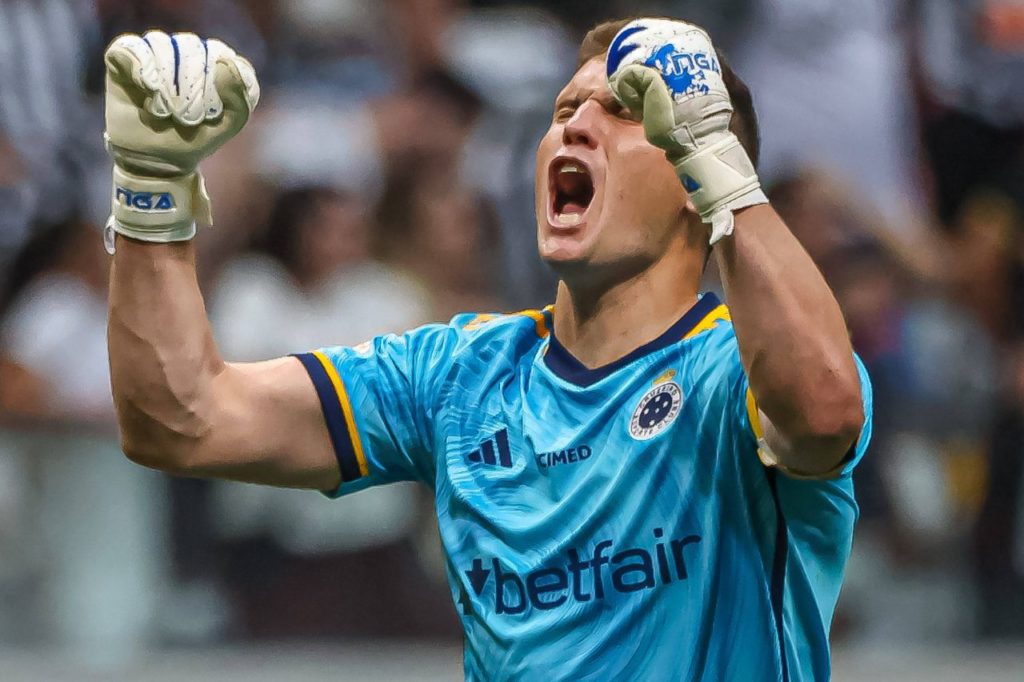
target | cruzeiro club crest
[{"x": 658, "y": 408}]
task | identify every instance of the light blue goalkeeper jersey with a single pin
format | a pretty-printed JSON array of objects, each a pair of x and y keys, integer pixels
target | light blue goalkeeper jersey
[{"x": 599, "y": 524}]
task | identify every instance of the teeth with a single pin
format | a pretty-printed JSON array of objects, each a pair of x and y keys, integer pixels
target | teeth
[
  {"x": 570, "y": 168},
  {"x": 568, "y": 219}
]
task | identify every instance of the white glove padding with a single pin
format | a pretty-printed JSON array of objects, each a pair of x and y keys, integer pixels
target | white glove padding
[
  {"x": 668, "y": 72},
  {"x": 171, "y": 101}
]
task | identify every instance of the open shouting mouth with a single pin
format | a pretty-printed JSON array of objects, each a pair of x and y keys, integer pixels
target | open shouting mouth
[{"x": 571, "y": 189}]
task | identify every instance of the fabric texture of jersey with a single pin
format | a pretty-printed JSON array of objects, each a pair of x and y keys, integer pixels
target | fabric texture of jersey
[{"x": 599, "y": 524}]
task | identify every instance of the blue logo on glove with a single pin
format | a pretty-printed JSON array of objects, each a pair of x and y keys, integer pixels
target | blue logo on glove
[
  {"x": 145, "y": 201},
  {"x": 618, "y": 50},
  {"x": 683, "y": 71}
]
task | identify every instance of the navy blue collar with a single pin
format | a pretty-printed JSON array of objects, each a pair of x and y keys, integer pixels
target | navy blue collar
[{"x": 564, "y": 365}]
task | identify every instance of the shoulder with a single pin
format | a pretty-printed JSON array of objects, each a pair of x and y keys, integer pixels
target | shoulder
[
  {"x": 471, "y": 340},
  {"x": 523, "y": 328},
  {"x": 711, "y": 356},
  {"x": 713, "y": 337},
  {"x": 476, "y": 336},
  {"x": 493, "y": 336}
]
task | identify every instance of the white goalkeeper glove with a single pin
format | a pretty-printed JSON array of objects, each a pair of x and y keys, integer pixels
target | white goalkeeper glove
[
  {"x": 171, "y": 101},
  {"x": 668, "y": 72}
]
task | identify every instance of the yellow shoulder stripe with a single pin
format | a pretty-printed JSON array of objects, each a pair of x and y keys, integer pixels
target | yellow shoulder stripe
[
  {"x": 478, "y": 321},
  {"x": 537, "y": 316},
  {"x": 538, "y": 319},
  {"x": 710, "y": 321}
]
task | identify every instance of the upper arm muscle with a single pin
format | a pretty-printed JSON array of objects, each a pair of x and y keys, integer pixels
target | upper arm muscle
[{"x": 266, "y": 427}]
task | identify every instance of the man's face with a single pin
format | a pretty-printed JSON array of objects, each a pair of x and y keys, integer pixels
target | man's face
[{"x": 608, "y": 202}]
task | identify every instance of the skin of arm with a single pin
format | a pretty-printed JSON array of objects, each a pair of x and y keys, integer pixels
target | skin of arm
[
  {"x": 180, "y": 407},
  {"x": 793, "y": 343}
]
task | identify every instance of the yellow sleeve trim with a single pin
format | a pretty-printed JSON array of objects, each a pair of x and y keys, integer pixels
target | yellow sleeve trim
[
  {"x": 539, "y": 320},
  {"x": 710, "y": 321},
  {"x": 769, "y": 459},
  {"x": 346, "y": 408},
  {"x": 754, "y": 415},
  {"x": 764, "y": 453}
]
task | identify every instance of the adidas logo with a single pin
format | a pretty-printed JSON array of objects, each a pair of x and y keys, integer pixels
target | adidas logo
[{"x": 494, "y": 451}]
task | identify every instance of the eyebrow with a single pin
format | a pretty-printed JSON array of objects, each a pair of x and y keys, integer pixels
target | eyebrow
[
  {"x": 576, "y": 100},
  {"x": 566, "y": 100}
]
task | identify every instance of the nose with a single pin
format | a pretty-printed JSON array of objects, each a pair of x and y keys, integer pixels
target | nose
[{"x": 582, "y": 128}]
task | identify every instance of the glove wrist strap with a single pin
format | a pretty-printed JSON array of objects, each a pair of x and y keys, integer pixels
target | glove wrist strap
[
  {"x": 720, "y": 179},
  {"x": 158, "y": 210}
]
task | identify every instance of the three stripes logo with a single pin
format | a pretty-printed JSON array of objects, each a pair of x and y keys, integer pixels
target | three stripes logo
[{"x": 494, "y": 451}]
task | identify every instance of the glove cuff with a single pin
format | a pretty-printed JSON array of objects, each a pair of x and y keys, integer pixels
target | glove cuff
[
  {"x": 158, "y": 210},
  {"x": 720, "y": 179}
]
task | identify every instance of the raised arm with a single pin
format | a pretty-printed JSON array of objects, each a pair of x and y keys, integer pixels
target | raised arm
[
  {"x": 180, "y": 407},
  {"x": 792, "y": 338},
  {"x": 793, "y": 343},
  {"x": 170, "y": 102}
]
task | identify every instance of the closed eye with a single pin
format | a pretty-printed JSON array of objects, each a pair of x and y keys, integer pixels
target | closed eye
[{"x": 564, "y": 112}]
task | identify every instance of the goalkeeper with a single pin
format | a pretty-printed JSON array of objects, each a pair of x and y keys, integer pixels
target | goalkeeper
[{"x": 637, "y": 483}]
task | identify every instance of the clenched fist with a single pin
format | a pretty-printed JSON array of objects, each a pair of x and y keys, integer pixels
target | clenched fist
[
  {"x": 668, "y": 72},
  {"x": 171, "y": 101}
]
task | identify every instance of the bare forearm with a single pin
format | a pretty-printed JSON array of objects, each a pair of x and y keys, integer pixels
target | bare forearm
[
  {"x": 792, "y": 337},
  {"x": 162, "y": 355},
  {"x": 179, "y": 406}
]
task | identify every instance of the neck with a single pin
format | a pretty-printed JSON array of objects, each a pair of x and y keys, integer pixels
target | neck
[{"x": 600, "y": 325}]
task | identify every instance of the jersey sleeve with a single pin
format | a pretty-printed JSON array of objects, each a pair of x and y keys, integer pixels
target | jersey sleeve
[
  {"x": 378, "y": 400},
  {"x": 805, "y": 523},
  {"x": 814, "y": 515},
  {"x": 750, "y": 420}
]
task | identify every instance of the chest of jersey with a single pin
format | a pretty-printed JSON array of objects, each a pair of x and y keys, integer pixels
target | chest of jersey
[{"x": 552, "y": 494}]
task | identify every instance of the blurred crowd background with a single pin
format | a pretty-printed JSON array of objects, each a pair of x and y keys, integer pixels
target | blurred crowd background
[{"x": 386, "y": 181}]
